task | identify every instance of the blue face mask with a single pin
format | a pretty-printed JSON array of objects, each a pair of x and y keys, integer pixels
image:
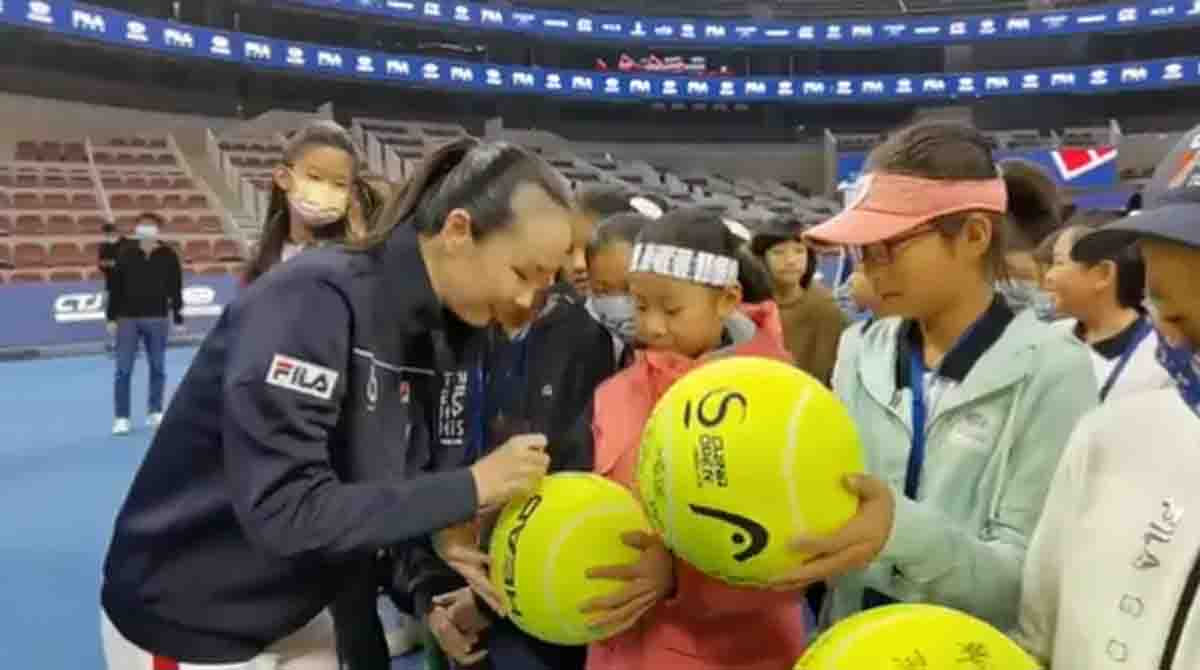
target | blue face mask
[
  {"x": 1182, "y": 362},
  {"x": 616, "y": 312}
]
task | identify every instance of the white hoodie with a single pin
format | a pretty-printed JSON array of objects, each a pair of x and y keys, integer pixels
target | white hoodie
[
  {"x": 1141, "y": 373},
  {"x": 1108, "y": 568}
]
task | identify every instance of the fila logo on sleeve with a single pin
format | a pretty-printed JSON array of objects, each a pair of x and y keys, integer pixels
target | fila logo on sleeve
[{"x": 301, "y": 376}]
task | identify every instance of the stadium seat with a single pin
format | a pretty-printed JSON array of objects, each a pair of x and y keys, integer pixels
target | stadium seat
[
  {"x": 209, "y": 224},
  {"x": 6, "y": 259},
  {"x": 166, "y": 159},
  {"x": 81, "y": 182},
  {"x": 135, "y": 181},
  {"x": 91, "y": 252},
  {"x": 26, "y": 277},
  {"x": 66, "y": 254},
  {"x": 197, "y": 251},
  {"x": 60, "y": 224},
  {"x": 196, "y": 202},
  {"x": 66, "y": 275},
  {"x": 147, "y": 202},
  {"x": 94, "y": 275},
  {"x": 84, "y": 201},
  {"x": 172, "y": 201},
  {"x": 28, "y": 151},
  {"x": 104, "y": 158},
  {"x": 29, "y": 225},
  {"x": 183, "y": 183},
  {"x": 227, "y": 250},
  {"x": 74, "y": 152},
  {"x": 112, "y": 181},
  {"x": 180, "y": 225},
  {"x": 5, "y": 226},
  {"x": 55, "y": 201},
  {"x": 126, "y": 224},
  {"x": 159, "y": 183},
  {"x": 51, "y": 151},
  {"x": 157, "y": 143},
  {"x": 29, "y": 255},
  {"x": 5, "y": 201},
  {"x": 137, "y": 142},
  {"x": 118, "y": 142},
  {"x": 89, "y": 225}
]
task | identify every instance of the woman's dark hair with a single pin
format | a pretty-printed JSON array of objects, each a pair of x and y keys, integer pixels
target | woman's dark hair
[
  {"x": 1131, "y": 269},
  {"x": 278, "y": 226},
  {"x": 1035, "y": 210},
  {"x": 701, "y": 230},
  {"x": 949, "y": 151},
  {"x": 617, "y": 228},
  {"x": 605, "y": 200},
  {"x": 782, "y": 229},
  {"x": 480, "y": 178},
  {"x": 153, "y": 217}
]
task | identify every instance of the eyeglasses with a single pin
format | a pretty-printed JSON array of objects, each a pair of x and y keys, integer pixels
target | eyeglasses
[{"x": 884, "y": 253}]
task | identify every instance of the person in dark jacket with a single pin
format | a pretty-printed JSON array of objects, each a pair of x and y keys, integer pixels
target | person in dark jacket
[
  {"x": 106, "y": 254},
  {"x": 296, "y": 448},
  {"x": 145, "y": 287},
  {"x": 528, "y": 373}
]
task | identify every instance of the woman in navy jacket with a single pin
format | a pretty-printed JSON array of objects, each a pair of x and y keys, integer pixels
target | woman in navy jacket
[{"x": 297, "y": 445}]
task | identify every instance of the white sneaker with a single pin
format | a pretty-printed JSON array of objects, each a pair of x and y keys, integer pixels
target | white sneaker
[
  {"x": 122, "y": 427},
  {"x": 153, "y": 419}
]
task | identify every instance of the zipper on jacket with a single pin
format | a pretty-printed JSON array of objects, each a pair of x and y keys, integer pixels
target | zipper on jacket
[{"x": 1182, "y": 612}]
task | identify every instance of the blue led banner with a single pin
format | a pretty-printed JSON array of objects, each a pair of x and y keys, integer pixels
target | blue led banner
[
  {"x": 848, "y": 33},
  {"x": 84, "y": 21}
]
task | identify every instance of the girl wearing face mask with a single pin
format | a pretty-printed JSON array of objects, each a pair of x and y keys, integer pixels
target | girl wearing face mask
[
  {"x": 1112, "y": 573},
  {"x": 812, "y": 321},
  {"x": 311, "y": 193},
  {"x": 1103, "y": 293},
  {"x": 594, "y": 204},
  {"x": 608, "y": 256},
  {"x": 1035, "y": 212},
  {"x": 686, "y": 314},
  {"x": 296, "y": 447},
  {"x": 962, "y": 404}
]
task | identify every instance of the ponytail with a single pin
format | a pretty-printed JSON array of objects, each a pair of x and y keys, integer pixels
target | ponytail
[{"x": 1035, "y": 210}]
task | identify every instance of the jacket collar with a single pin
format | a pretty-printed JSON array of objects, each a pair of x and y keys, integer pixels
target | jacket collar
[
  {"x": 965, "y": 353},
  {"x": 407, "y": 292},
  {"x": 1006, "y": 361}
]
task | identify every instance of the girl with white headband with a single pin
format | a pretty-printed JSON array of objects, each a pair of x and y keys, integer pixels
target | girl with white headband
[
  {"x": 689, "y": 307},
  {"x": 963, "y": 406}
]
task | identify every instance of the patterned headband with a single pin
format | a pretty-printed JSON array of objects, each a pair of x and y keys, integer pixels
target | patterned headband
[{"x": 699, "y": 267}]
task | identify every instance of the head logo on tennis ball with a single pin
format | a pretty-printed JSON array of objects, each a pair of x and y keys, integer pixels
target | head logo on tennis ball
[
  {"x": 707, "y": 420},
  {"x": 510, "y": 563},
  {"x": 758, "y": 535}
]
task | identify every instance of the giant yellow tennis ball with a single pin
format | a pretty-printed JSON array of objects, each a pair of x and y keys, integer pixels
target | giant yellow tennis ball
[
  {"x": 544, "y": 543},
  {"x": 914, "y": 636},
  {"x": 739, "y": 457}
]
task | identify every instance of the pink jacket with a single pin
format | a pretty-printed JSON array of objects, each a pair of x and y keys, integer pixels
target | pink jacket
[{"x": 708, "y": 625}]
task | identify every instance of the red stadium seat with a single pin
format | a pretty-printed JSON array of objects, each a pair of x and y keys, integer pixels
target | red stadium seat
[
  {"x": 54, "y": 181},
  {"x": 183, "y": 183},
  {"x": 27, "y": 181},
  {"x": 172, "y": 201},
  {"x": 135, "y": 181},
  {"x": 6, "y": 259},
  {"x": 159, "y": 183},
  {"x": 60, "y": 224},
  {"x": 198, "y": 251},
  {"x": 137, "y": 142},
  {"x": 158, "y": 143},
  {"x": 5, "y": 201},
  {"x": 29, "y": 255},
  {"x": 118, "y": 142},
  {"x": 227, "y": 250},
  {"x": 52, "y": 151},
  {"x": 112, "y": 181},
  {"x": 91, "y": 251},
  {"x": 196, "y": 202},
  {"x": 89, "y": 225},
  {"x": 29, "y": 224},
  {"x": 5, "y": 226},
  {"x": 94, "y": 275},
  {"x": 74, "y": 152},
  {"x": 7, "y": 180},
  {"x": 104, "y": 158},
  {"x": 66, "y": 254},
  {"x": 81, "y": 182},
  {"x": 166, "y": 159},
  {"x": 66, "y": 275}
]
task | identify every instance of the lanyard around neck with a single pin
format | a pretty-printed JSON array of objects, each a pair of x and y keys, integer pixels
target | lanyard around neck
[{"x": 1143, "y": 331}]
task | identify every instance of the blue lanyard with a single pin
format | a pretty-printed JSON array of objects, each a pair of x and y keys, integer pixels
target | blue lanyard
[
  {"x": 1142, "y": 333},
  {"x": 916, "y": 455},
  {"x": 511, "y": 387}
]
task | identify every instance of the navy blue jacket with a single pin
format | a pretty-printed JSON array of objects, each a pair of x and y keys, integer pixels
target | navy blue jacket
[{"x": 294, "y": 450}]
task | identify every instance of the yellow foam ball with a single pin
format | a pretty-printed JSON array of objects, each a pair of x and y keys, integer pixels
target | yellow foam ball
[
  {"x": 544, "y": 543},
  {"x": 740, "y": 456},
  {"x": 915, "y": 636}
]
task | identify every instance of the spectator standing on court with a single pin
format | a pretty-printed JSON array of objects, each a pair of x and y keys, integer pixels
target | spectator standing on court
[{"x": 145, "y": 287}]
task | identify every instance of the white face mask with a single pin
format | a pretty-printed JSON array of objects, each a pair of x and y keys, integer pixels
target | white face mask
[
  {"x": 317, "y": 204},
  {"x": 616, "y": 313}
]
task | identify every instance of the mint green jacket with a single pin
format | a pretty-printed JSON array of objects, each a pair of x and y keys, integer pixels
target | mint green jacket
[{"x": 992, "y": 446}]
